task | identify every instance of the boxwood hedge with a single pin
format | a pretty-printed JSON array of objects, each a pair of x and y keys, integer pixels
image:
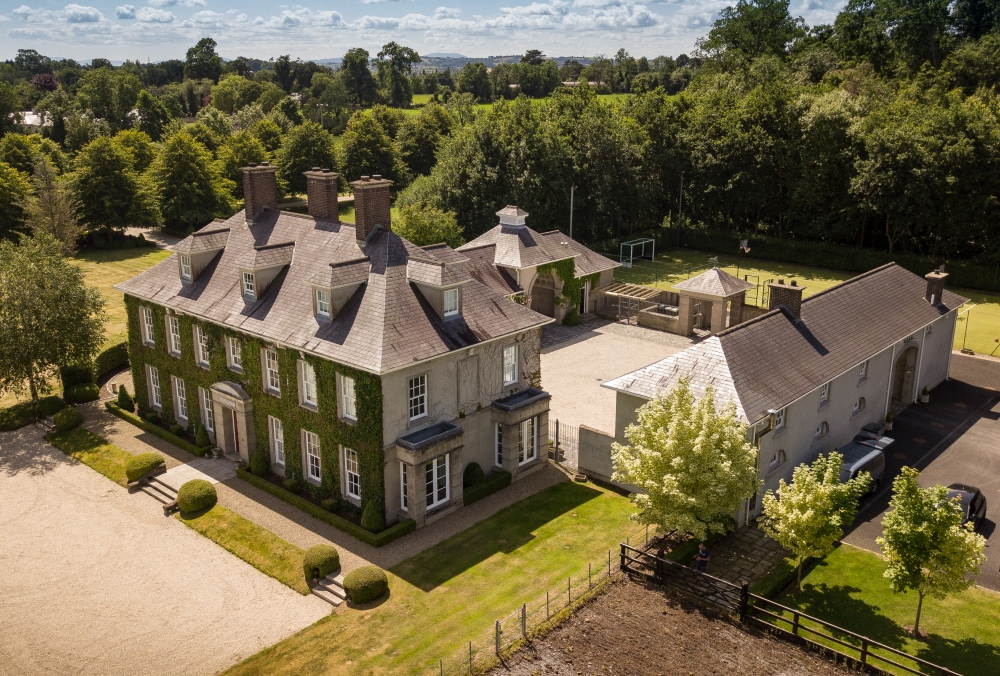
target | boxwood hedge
[
  {"x": 67, "y": 419},
  {"x": 196, "y": 495},
  {"x": 83, "y": 392},
  {"x": 320, "y": 561},
  {"x": 139, "y": 465},
  {"x": 366, "y": 583}
]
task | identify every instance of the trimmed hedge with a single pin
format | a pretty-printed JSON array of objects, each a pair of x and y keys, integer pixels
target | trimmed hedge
[
  {"x": 139, "y": 465},
  {"x": 111, "y": 359},
  {"x": 374, "y": 539},
  {"x": 473, "y": 475},
  {"x": 196, "y": 495},
  {"x": 79, "y": 374},
  {"x": 67, "y": 419},
  {"x": 320, "y": 560},
  {"x": 371, "y": 518},
  {"x": 48, "y": 406},
  {"x": 83, "y": 392},
  {"x": 366, "y": 583},
  {"x": 147, "y": 426},
  {"x": 500, "y": 479}
]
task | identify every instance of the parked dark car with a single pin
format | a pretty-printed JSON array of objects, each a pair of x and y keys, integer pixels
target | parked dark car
[
  {"x": 861, "y": 458},
  {"x": 973, "y": 503}
]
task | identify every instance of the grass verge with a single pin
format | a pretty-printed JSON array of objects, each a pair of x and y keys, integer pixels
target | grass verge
[
  {"x": 374, "y": 539},
  {"x": 156, "y": 430},
  {"x": 847, "y": 589},
  {"x": 258, "y": 546},
  {"x": 450, "y": 594},
  {"x": 93, "y": 451},
  {"x": 17, "y": 416}
]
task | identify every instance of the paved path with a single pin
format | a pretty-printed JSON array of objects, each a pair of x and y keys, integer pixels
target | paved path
[
  {"x": 744, "y": 555},
  {"x": 97, "y": 581},
  {"x": 577, "y": 359}
]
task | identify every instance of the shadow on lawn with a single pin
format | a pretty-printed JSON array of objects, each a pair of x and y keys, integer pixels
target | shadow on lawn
[
  {"x": 504, "y": 532},
  {"x": 967, "y": 656},
  {"x": 835, "y": 604}
]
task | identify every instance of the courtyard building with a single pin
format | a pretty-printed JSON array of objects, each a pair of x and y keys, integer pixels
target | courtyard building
[
  {"x": 371, "y": 369},
  {"x": 808, "y": 374}
]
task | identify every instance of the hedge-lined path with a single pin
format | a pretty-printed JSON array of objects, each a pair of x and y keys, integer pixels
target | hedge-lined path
[
  {"x": 294, "y": 525},
  {"x": 97, "y": 581}
]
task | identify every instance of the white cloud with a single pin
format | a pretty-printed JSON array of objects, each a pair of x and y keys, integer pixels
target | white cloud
[
  {"x": 171, "y": 3},
  {"x": 151, "y": 15},
  {"x": 80, "y": 14},
  {"x": 125, "y": 12},
  {"x": 376, "y": 2},
  {"x": 447, "y": 13}
]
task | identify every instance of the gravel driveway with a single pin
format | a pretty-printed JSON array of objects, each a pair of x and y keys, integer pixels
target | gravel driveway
[{"x": 97, "y": 581}]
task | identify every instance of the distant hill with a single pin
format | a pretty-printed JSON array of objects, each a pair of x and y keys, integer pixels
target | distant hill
[{"x": 445, "y": 55}]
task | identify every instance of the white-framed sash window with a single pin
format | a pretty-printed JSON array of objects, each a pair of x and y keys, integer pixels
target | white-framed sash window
[
  {"x": 510, "y": 370},
  {"x": 148, "y": 335},
  {"x": 248, "y": 285},
  {"x": 404, "y": 489},
  {"x": 185, "y": 268},
  {"x": 527, "y": 440},
  {"x": 352, "y": 474},
  {"x": 348, "y": 399},
  {"x": 277, "y": 431},
  {"x": 436, "y": 481},
  {"x": 498, "y": 443},
  {"x": 451, "y": 302},
  {"x": 863, "y": 370},
  {"x": 272, "y": 381},
  {"x": 322, "y": 303},
  {"x": 201, "y": 346},
  {"x": 418, "y": 397},
  {"x": 311, "y": 443},
  {"x": 153, "y": 385},
  {"x": 207, "y": 414},
  {"x": 234, "y": 354},
  {"x": 180, "y": 398},
  {"x": 174, "y": 335},
  {"x": 307, "y": 384},
  {"x": 779, "y": 418},
  {"x": 824, "y": 394}
]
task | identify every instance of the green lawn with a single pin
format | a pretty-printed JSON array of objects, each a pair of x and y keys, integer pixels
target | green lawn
[
  {"x": 848, "y": 589},
  {"x": 16, "y": 416},
  {"x": 93, "y": 451},
  {"x": 452, "y": 593},
  {"x": 258, "y": 546},
  {"x": 981, "y": 314}
]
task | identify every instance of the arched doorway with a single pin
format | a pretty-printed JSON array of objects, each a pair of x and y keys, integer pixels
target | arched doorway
[
  {"x": 903, "y": 375},
  {"x": 543, "y": 295}
]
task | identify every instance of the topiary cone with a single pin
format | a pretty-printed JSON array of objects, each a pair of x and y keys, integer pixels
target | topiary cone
[
  {"x": 125, "y": 401},
  {"x": 258, "y": 463},
  {"x": 201, "y": 439},
  {"x": 371, "y": 519}
]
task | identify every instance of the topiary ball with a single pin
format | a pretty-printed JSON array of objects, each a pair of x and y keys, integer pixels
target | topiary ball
[
  {"x": 139, "y": 465},
  {"x": 176, "y": 428},
  {"x": 366, "y": 584},
  {"x": 50, "y": 405},
  {"x": 196, "y": 495},
  {"x": 258, "y": 463},
  {"x": 83, "y": 392},
  {"x": 153, "y": 417},
  {"x": 371, "y": 518},
  {"x": 125, "y": 400},
  {"x": 67, "y": 419},
  {"x": 319, "y": 561},
  {"x": 201, "y": 439},
  {"x": 472, "y": 475}
]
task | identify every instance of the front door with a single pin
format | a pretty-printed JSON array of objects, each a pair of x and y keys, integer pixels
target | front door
[
  {"x": 236, "y": 433},
  {"x": 230, "y": 436}
]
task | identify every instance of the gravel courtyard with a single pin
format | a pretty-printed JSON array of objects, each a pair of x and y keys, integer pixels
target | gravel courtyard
[{"x": 97, "y": 581}]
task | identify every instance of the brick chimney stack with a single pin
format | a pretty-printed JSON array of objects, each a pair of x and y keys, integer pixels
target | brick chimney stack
[
  {"x": 371, "y": 206},
  {"x": 260, "y": 189},
  {"x": 935, "y": 285},
  {"x": 788, "y": 295},
  {"x": 321, "y": 192}
]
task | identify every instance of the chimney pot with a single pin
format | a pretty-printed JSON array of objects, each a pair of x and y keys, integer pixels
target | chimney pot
[
  {"x": 377, "y": 177},
  {"x": 260, "y": 189},
  {"x": 364, "y": 178},
  {"x": 935, "y": 286},
  {"x": 321, "y": 194},
  {"x": 372, "y": 206},
  {"x": 794, "y": 283},
  {"x": 788, "y": 296},
  {"x": 315, "y": 169}
]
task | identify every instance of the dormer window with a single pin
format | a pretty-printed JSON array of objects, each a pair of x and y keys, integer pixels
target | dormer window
[
  {"x": 248, "y": 285},
  {"x": 186, "y": 268},
  {"x": 450, "y": 302},
  {"x": 322, "y": 297}
]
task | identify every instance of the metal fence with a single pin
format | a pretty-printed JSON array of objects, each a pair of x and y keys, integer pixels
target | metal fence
[
  {"x": 791, "y": 624},
  {"x": 509, "y": 632},
  {"x": 564, "y": 444}
]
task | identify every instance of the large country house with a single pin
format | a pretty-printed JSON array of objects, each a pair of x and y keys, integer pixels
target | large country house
[
  {"x": 807, "y": 375},
  {"x": 366, "y": 366}
]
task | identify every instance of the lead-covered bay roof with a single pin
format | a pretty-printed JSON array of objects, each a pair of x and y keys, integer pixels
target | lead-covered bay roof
[{"x": 386, "y": 325}]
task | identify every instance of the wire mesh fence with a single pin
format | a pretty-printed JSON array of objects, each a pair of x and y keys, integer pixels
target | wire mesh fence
[{"x": 510, "y": 631}]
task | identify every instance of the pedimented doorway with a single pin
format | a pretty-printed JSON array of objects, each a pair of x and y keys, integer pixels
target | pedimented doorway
[{"x": 233, "y": 409}]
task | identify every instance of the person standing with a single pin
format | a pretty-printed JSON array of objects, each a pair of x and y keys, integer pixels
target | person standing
[{"x": 702, "y": 559}]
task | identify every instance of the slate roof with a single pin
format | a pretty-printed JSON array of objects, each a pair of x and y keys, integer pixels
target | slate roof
[
  {"x": 205, "y": 240},
  {"x": 267, "y": 256},
  {"x": 387, "y": 324},
  {"x": 434, "y": 272},
  {"x": 715, "y": 282},
  {"x": 343, "y": 273},
  {"x": 518, "y": 246},
  {"x": 482, "y": 269},
  {"x": 775, "y": 359}
]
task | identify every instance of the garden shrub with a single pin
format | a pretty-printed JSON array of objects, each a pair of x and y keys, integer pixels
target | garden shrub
[
  {"x": 473, "y": 475},
  {"x": 497, "y": 481},
  {"x": 258, "y": 463},
  {"x": 176, "y": 428},
  {"x": 366, "y": 584},
  {"x": 125, "y": 400},
  {"x": 572, "y": 317},
  {"x": 50, "y": 405},
  {"x": 196, "y": 495},
  {"x": 67, "y": 419},
  {"x": 138, "y": 465},
  {"x": 83, "y": 392},
  {"x": 291, "y": 485},
  {"x": 320, "y": 561},
  {"x": 79, "y": 374},
  {"x": 330, "y": 504},
  {"x": 17, "y": 416},
  {"x": 371, "y": 519},
  {"x": 110, "y": 359},
  {"x": 201, "y": 439},
  {"x": 153, "y": 417}
]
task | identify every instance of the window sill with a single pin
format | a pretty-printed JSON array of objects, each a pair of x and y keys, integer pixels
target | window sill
[
  {"x": 862, "y": 381},
  {"x": 347, "y": 420},
  {"x": 274, "y": 393},
  {"x": 314, "y": 408},
  {"x": 419, "y": 420},
  {"x": 236, "y": 369},
  {"x": 824, "y": 404},
  {"x": 778, "y": 431},
  {"x": 207, "y": 367},
  {"x": 151, "y": 346},
  {"x": 528, "y": 462},
  {"x": 314, "y": 482},
  {"x": 175, "y": 355},
  {"x": 857, "y": 413},
  {"x": 773, "y": 470},
  {"x": 439, "y": 506}
]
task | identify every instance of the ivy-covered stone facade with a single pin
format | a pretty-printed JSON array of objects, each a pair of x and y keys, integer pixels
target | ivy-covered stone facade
[{"x": 363, "y": 436}]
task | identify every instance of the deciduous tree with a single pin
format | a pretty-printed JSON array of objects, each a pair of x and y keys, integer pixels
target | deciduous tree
[
  {"x": 191, "y": 190},
  {"x": 110, "y": 95},
  {"x": 366, "y": 149},
  {"x": 925, "y": 546},
  {"x": 14, "y": 192},
  {"x": 692, "y": 460},
  {"x": 202, "y": 61},
  {"x": 808, "y": 516},
  {"x": 304, "y": 147},
  {"x": 111, "y": 194},
  {"x": 394, "y": 65},
  {"x": 52, "y": 210},
  {"x": 49, "y": 317},
  {"x": 423, "y": 224},
  {"x": 358, "y": 78}
]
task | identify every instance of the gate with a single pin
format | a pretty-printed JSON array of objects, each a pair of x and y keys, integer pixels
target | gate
[{"x": 564, "y": 444}]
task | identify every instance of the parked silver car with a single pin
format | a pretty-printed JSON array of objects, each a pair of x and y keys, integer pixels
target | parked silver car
[{"x": 860, "y": 458}]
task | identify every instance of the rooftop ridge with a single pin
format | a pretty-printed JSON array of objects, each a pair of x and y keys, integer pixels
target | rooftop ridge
[
  {"x": 265, "y": 247},
  {"x": 749, "y": 322},
  {"x": 200, "y": 233},
  {"x": 350, "y": 261},
  {"x": 844, "y": 283}
]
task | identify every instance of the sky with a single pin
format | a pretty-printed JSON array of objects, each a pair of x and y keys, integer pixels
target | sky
[{"x": 164, "y": 29}]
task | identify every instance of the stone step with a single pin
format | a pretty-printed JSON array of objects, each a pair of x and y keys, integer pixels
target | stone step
[
  {"x": 333, "y": 588},
  {"x": 162, "y": 487},
  {"x": 160, "y": 494},
  {"x": 328, "y": 596}
]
